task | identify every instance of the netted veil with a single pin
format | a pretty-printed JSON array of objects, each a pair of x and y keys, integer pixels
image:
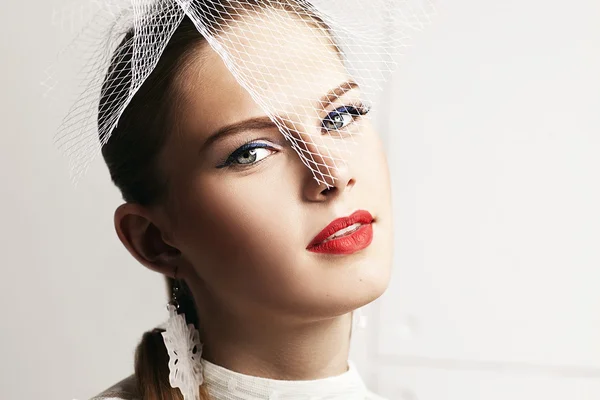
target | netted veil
[{"x": 259, "y": 43}]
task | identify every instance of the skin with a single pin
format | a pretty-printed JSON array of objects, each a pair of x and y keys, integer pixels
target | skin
[{"x": 238, "y": 235}]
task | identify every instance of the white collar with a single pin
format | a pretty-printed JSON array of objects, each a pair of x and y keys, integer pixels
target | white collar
[{"x": 224, "y": 384}]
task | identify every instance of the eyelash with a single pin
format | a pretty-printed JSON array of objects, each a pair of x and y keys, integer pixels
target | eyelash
[{"x": 356, "y": 111}]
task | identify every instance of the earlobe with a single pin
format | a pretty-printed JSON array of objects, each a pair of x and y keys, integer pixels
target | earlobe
[{"x": 143, "y": 239}]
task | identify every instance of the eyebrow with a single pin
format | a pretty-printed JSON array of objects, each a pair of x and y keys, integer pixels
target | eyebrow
[
  {"x": 264, "y": 122},
  {"x": 251, "y": 124},
  {"x": 337, "y": 92}
]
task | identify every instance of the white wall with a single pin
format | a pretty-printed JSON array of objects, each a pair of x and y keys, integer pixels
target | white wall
[
  {"x": 494, "y": 146},
  {"x": 493, "y": 138}
]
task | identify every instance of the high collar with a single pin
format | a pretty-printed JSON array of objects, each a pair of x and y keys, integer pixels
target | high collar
[{"x": 224, "y": 384}]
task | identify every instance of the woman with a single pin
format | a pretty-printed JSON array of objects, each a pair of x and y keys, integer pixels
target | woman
[{"x": 270, "y": 262}]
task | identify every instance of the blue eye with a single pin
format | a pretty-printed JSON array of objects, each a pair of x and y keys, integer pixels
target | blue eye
[
  {"x": 343, "y": 116},
  {"x": 248, "y": 154}
]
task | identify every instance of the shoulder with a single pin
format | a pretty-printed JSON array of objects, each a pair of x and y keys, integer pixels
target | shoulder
[{"x": 126, "y": 389}]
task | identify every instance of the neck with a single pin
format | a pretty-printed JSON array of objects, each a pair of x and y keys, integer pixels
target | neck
[{"x": 283, "y": 351}]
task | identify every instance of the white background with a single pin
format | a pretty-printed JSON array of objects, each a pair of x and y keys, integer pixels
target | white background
[{"x": 493, "y": 137}]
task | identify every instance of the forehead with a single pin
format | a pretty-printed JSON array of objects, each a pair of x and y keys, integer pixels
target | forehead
[
  {"x": 277, "y": 62},
  {"x": 282, "y": 57}
]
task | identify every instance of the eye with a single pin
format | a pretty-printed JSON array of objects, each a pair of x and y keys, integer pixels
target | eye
[
  {"x": 248, "y": 154},
  {"x": 341, "y": 117}
]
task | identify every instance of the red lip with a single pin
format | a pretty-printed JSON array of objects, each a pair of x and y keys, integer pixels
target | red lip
[{"x": 347, "y": 244}]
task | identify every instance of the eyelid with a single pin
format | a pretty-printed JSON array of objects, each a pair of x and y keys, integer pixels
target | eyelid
[
  {"x": 354, "y": 101},
  {"x": 347, "y": 108},
  {"x": 350, "y": 97}
]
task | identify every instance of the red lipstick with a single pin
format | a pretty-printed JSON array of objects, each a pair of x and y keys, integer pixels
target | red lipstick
[{"x": 350, "y": 234}]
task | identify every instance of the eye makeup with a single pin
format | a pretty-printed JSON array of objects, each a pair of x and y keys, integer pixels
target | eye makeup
[{"x": 250, "y": 152}]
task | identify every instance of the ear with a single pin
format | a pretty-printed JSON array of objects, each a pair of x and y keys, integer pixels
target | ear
[{"x": 136, "y": 227}]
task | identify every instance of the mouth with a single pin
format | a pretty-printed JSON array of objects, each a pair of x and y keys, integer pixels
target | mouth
[{"x": 345, "y": 235}]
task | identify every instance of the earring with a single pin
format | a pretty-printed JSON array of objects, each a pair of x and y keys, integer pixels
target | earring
[{"x": 184, "y": 348}]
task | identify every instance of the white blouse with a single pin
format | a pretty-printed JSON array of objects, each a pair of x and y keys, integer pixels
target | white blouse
[{"x": 224, "y": 384}]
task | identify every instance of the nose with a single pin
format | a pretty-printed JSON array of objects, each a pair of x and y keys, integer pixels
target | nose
[
  {"x": 328, "y": 173},
  {"x": 327, "y": 178}
]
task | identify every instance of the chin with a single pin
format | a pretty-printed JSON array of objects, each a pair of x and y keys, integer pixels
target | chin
[
  {"x": 374, "y": 286},
  {"x": 364, "y": 289}
]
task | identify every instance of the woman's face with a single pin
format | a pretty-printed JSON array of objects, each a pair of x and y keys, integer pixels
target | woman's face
[{"x": 242, "y": 219}]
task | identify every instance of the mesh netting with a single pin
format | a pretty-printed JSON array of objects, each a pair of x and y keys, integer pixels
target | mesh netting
[{"x": 272, "y": 48}]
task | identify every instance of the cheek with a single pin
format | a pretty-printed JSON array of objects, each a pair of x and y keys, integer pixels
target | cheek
[
  {"x": 375, "y": 190},
  {"x": 238, "y": 234},
  {"x": 370, "y": 164}
]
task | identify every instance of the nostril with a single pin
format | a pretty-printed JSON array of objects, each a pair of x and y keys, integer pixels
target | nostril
[{"x": 328, "y": 191}]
